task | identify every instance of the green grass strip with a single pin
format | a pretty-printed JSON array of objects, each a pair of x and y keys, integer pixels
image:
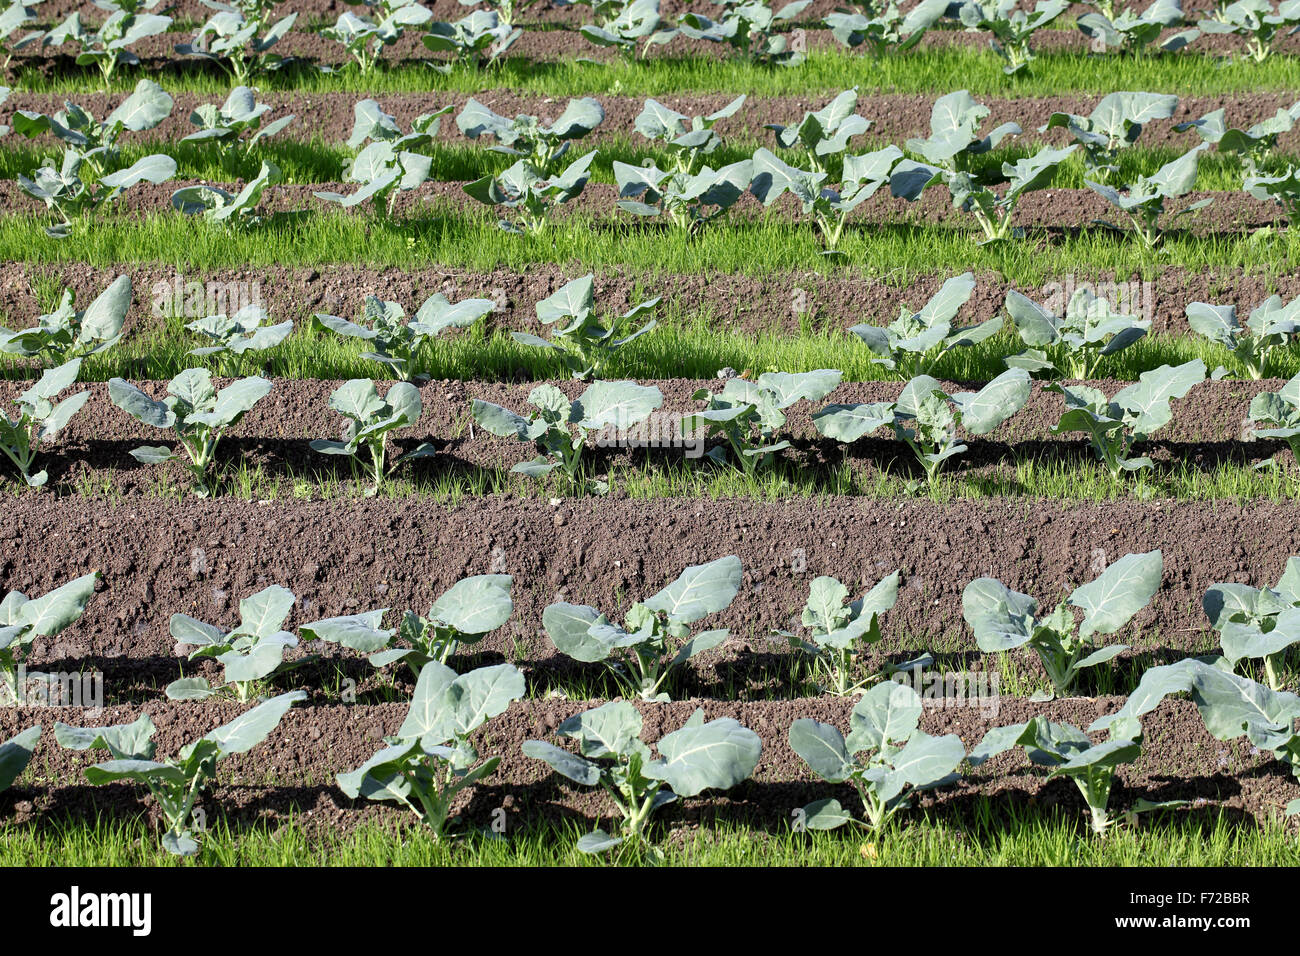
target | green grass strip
[
  {"x": 436, "y": 232},
  {"x": 996, "y": 834},
  {"x": 928, "y": 71}
]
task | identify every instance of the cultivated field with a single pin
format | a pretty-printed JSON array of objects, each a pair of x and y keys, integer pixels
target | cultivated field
[{"x": 649, "y": 432}]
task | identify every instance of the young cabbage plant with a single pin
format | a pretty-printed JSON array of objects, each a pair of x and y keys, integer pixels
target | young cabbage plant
[
  {"x": 369, "y": 419},
  {"x": 1071, "y": 753},
  {"x": 463, "y": 615},
  {"x": 915, "y": 342},
  {"x": 527, "y": 137},
  {"x": 198, "y": 413},
  {"x": 1251, "y": 146},
  {"x": 623, "y": 25},
  {"x": 251, "y": 655},
  {"x": 688, "y": 200},
  {"x": 1003, "y": 619},
  {"x": 430, "y": 760},
  {"x": 1114, "y": 124},
  {"x": 886, "y": 757},
  {"x": 16, "y": 754},
  {"x": 1130, "y": 32},
  {"x": 885, "y": 29},
  {"x": 40, "y": 418},
  {"x": 1143, "y": 202},
  {"x": 388, "y": 165},
  {"x": 235, "y": 127},
  {"x": 13, "y": 18},
  {"x": 1230, "y": 705},
  {"x": 475, "y": 41},
  {"x": 689, "y": 138},
  {"x": 91, "y": 171},
  {"x": 1257, "y": 623},
  {"x": 746, "y": 415},
  {"x": 993, "y": 212},
  {"x": 823, "y": 135},
  {"x": 1010, "y": 26},
  {"x": 242, "y": 210},
  {"x": 366, "y": 37},
  {"x": 655, "y": 637},
  {"x": 1281, "y": 410},
  {"x": 750, "y": 28},
  {"x": 1089, "y": 332},
  {"x": 540, "y": 179},
  {"x": 23, "y": 619},
  {"x": 232, "y": 337},
  {"x": 506, "y": 10},
  {"x": 146, "y": 107},
  {"x": 926, "y": 419},
  {"x": 529, "y": 194},
  {"x": 954, "y": 139},
  {"x": 1257, "y": 22},
  {"x": 828, "y": 206},
  {"x": 560, "y": 429},
  {"x": 584, "y": 346},
  {"x": 1137, "y": 411},
  {"x": 949, "y": 155},
  {"x": 1271, "y": 326},
  {"x": 699, "y": 756},
  {"x": 1282, "y": 189},
  {"x": 175, "y": 783},
  {"x": 69, "y": 333},
  {"x": 239, "y": 38},
  {"x": 839, "y": 633},
  {"x": 403, "y": 347},
  {"x": 108, "y": 45}
]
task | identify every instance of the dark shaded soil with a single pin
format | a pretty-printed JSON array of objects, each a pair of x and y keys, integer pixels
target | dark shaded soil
[
  {"x": 895, "y": 117},
  {"x": 779, "y": 303},
  {"x": 1212, "y": 413},
  {"x": 346, "y": 556},
  {"x": 293, "y": 772},
  {"x": 1209, "y": 429}
]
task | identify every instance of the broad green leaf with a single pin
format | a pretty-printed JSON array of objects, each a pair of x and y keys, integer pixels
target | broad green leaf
[
  {"x": 252, "y": 727},
  {"x": 822, "y": 747},
  {"x": 1119, "y": 592},
  {"x": 701, "y": 590},
  {"x": 719, "y": 754}
]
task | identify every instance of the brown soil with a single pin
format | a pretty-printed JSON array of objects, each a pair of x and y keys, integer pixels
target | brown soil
[
  {"x": 895, "y": 117},
  {"x": 737, "y": 303},
  {"x": 160, "y": 557},
  {"x": 1057, "y": 212},
  {"x": 293, "y": 772}
]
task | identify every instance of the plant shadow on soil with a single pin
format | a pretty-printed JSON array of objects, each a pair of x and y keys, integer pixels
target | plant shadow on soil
[
  {"x": 810, "y": 465},
  {"x": 751, "y": 673}
]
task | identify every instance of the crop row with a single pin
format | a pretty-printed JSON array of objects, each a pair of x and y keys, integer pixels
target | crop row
[
  {"x": 241, "y": 36},
  {"x": 829, "y": 182},
  {"x": 742, "y": 420},
  {"x": 885, "y": 756}
]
